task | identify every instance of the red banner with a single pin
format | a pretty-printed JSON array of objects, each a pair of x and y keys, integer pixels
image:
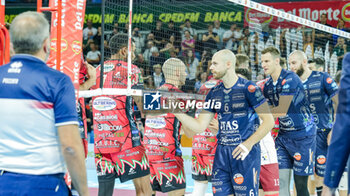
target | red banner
[
  {"x": 73, "y": 12},
  {"x": 311, "y": 10}
]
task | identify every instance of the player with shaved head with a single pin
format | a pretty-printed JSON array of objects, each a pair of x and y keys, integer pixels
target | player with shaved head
[
  {"x": 236, "y": 165},
  {"x": 321, "y": 92}
]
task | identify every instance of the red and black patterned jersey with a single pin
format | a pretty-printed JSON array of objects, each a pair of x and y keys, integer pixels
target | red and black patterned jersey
[
  {"x": 81, "y": 103},
  {"x": 205, "y": 143},
  {"x": 114, "y": 124},
  {"x": 162, "y": 133}
]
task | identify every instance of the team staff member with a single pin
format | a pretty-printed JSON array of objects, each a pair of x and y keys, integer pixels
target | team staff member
[
  {"x": 339, "y": 149},
  {"x": 237, "y": 159},
  {"x": 162, "y": 137},
  {"x": 39, "y": 124},
  {"x": 118, "y": 149},
  {"x": 321, "y": 92},
  {"x": 296, "y": 141}
]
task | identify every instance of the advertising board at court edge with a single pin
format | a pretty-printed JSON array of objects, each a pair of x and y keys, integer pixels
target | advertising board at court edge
[
  {"x": 73, "y": 12},
  {"x": 311, "y": 10}
]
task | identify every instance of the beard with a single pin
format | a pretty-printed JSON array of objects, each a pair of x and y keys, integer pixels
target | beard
[
  {"x": 300, "y": 71},
  {"x": 219, "y": 75}
]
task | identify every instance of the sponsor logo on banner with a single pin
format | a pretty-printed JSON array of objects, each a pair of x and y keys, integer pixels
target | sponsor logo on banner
[
  {"x": 76, "y": 47},
  {"x": 64, "y": 44},
  {"x": 238, "y": 178},
  {"x": 345, "y": 12},
  {"x": 104, "y": 103},
  {"x": 155, "y": 123}
]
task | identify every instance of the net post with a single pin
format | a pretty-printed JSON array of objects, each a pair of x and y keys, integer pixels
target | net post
[
  {"x": 102, "y": 42},
  {"x": 129, "y": 48}
]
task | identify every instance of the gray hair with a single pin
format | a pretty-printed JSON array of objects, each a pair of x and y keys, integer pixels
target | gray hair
[{"x": 28, "y": 32}]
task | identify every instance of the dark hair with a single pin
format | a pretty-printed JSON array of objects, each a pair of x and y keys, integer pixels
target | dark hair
[
  {"x": 117, "y": 42},
  {"x": 187, "y": 20},
  {"x": 273, "y": 51},
  {"x": 337, "y": 77},
  {"x": 283, "y": 62},
  {"x": 171, "y": 21},
  {"x": 244, "y": 72},
  {"x": 240, "y": 59},
  {"x": 319, "y": 63}
]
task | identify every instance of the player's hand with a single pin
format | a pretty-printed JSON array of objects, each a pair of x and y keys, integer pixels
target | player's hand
[
  {"x": 329, "y": 137},
  {"x": 214, "y": 126},
  {"x": 326, "y": 191},
  {"x": 241, "y": 151}
]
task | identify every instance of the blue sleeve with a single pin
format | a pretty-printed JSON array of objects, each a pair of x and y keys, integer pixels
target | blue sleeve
[
  {"x": 330, "y": 86},
  {"x": 254, "y": 95},
  {"x": 339, "y": 149},
  {"x": 210, "y": 97},
  {"x": 290, "y": 85},
  {"x": 64, "y": 103}
]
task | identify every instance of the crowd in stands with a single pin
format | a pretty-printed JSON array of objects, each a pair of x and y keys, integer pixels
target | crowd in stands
[{"x": 195, "y": 47}]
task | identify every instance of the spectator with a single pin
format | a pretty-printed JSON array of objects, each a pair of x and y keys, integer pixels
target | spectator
[
  {"x": 187, "y": 27},
  {"x": 149, "y": 83},
  {"x": 340, "y": 26},
  {"x": 167, "y": 49},
  {"x": 203, "y": 77},
  {"x": 159, "y": 34},
  {"x": 244, "y": 46},
  {"x": 340, "y": 50},
  {"x": 141, "y": 63},
  {"x": 158, "y": 75},
  {"x": 206, "y": 57},
  {"x": 86, "y": 43},
  {"x": 173, "y": 31},
  {"x": 321, "y": 37},
  {"x": 39, "y": 123},
  {"x": 147, "y": 53},
  {"x": 211, "y": 39},
  {"x": 283, "y": 63},
  {"x": 309, "y": 40},
  {"x": 98, "y": 37},
  {"x": 139, "y": 40},
  {"x": 220, "y": 32},
  {"x": 229, "y": 39},
  {"x": 191, "y": 63},
  {"x": 94, "y": 56},
  {"x": 319, "y": 64},
  {"x": 175, "y": 43},
  {"x": 88, "y": 29},
  {"x": 150, "y": 37},
  {"x": 155, "y": 58},
  {"x": 188, "y": 43},
  {"x": 125, "y": 29}
]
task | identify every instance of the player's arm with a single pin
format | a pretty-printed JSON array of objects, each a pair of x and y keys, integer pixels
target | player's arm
[
  {"x": 216, "y": 38},
  {"x": 283, "y": 106},
  {"x": 73, "y": 153},
  {"x": 91, "y": 80},
  {"x": 197, "y": 125},
  {"x": 213, "y": 127},
  {"x": 265, "y": 127}
]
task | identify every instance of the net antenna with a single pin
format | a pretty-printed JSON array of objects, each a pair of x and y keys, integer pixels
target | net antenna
[
  {"x": 4, "y": 37},
  {"x": 40, "y": 9}
]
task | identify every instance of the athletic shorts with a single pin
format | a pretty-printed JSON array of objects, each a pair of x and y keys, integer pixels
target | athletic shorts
[
  {"x": 125, "y": 165},
  {"x": 343, "y": 184},
  {"x": 231, "y": 176},
  {"x": 168, "y": 175},
  {"x": 202, "y": 167},
  {"x": 269, "y": 177},
  {"x": 296, "y": 154},
  {"x": 321, "y": 152}
]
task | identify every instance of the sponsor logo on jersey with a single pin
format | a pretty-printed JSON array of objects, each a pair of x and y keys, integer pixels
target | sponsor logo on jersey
[
  {"x": 108, "y": 67},
  {"x": 15, "y": 67},
  {"x": 329, "y": 80},
  {"x": 155, "y": 123},
  {"x": 321, "y": 159},
  {"x": 315, "y": 91},
  {"x": 100, "y": 117},
  {"x": 315, "y": 84},
  {"x": 107, "y": 127},
  {"x": 168, "y": 184},
  {"x": 131, "y": 171},
  {"x": 283, "y": 81},
  {"x": 238, "y": 105},
  {"x": 297, "y": 156},
  {"x": 238, "y": 96},
  {"x": 210, "y": 84},
  {"x": 251, "y": 88},
  {"x": 238, "y": 178},
  {"x": 229, "y": 125},
  {"x": 104, "y": 103}
]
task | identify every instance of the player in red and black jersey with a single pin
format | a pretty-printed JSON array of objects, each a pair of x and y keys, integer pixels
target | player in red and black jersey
[
  {"x": 118, "y": 149},
  {"x": 162, "y": 138}
]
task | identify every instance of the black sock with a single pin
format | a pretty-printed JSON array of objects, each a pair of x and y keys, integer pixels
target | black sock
[
  {"x": 319, "y": 190},
  {"x": 153, "y": 194},
  {"x": 301, "y": 185}
]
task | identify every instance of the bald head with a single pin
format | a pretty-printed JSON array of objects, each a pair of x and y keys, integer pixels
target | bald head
[
  {"x": 28, "y": 31},
  {"x": 226, "y": 56},
  {"x": 300, "y": 54},
  {"x": 171, "y": 66}
]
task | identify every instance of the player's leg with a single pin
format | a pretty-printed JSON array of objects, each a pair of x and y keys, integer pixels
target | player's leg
[
  {"x": 301, "y": 185},
  {"x": 285, "y": 166},
  {"x": 320, "y": 161},
  {"x": 200, "y": 187},
  {"x": 312, "y": 185},
  {"x": 105, "y": 175},
  {"x": 179, "y": 192},
  {"x": 142, "y": 186},
  {"x": 269, "y": 179}
]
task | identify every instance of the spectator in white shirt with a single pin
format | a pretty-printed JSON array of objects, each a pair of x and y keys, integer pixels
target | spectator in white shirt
[
  {"x": 187, "y": 27},
  {"x": 94, "y": 56},
  {"x": 139, "y": 40},
  {"x": 229, "y": 38},
  {"x": 220, "y": 31},
  {"x": 158, "y": 77},
  {"x": 88, "y": 29}
]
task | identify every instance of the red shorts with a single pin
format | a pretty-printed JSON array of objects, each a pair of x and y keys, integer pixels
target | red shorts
[
  {"x": 125, "y": 165},
  {"x": 202, "y": 166},
  {"x": 168, "y": 175},
  {"x": 269, "y": 177}
]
